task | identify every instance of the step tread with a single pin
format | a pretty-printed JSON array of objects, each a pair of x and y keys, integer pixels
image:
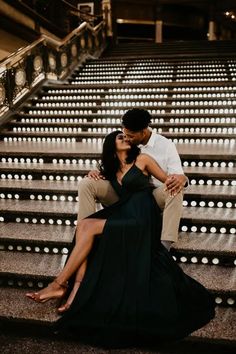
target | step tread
[
  {"x": 198, "y": 190},
  {"x": 215, "y": 278},
  {"x": 77, "y": 149},
  {"x": 35, "y": 206},
  {"x": 224, "y": 244},
  {"x": 42, "y": 233},
  {"x": 16, "y": 306},
  {"x": 31, "y": 264}
]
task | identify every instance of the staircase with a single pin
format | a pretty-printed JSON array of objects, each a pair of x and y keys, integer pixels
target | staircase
[{"x": 55, "y": 138}]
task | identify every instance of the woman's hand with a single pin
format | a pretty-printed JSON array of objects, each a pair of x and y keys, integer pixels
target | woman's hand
[
  {"x": 175, "y": 183},
  {"x": 95, "y": 174}
]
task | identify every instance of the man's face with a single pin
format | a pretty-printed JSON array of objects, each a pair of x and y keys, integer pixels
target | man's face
[{"x": 134, "y": 138}]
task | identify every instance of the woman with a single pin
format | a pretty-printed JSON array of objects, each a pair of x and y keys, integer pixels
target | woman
[{"x": 132, "y": 290}]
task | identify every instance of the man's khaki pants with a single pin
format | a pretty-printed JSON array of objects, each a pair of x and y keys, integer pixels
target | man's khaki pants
[{"x": 92, "y": 191}]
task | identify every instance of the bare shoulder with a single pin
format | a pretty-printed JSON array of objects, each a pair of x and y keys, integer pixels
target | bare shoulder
[{"x": 144, "y": 158}]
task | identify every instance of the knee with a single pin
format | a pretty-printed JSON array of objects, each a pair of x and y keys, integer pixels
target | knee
[{"x": 86, "y": 185}]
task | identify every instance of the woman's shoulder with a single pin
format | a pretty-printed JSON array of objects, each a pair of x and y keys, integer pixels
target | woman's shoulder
[{"x": 144, "y": 157}]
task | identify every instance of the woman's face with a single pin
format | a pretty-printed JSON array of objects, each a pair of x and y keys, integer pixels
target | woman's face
[{"x": 122, "y": 144}]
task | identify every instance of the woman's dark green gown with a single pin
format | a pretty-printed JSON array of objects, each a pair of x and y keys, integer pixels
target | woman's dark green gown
[{"x": 133, "y": 291}]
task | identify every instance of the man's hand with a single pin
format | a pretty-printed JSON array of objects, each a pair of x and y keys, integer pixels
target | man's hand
[
  {"x": 95, "y": 174},
  {"x": 175, "y": 183}
]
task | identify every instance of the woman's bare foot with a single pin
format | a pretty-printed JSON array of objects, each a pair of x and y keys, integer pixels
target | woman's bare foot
[
  {"x": 54, "y": 290},
  {"x": 70, "y": 299}
]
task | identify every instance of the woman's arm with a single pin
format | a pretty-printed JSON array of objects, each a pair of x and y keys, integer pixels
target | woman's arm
[{"x": 147, "y": 164}]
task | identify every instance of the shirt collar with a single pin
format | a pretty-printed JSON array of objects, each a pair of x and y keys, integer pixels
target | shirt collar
[{"x": 151, "y": 140}]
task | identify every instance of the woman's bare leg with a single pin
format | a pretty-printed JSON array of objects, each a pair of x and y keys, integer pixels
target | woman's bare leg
[
  {"x": 85, "y": 233},
  {"x": 78, "y": 279}
]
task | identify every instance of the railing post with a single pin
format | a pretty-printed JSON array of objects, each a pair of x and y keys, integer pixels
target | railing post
[{"x": 107, "y": 16}]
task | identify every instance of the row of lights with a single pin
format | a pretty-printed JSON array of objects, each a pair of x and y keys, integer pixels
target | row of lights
[
  {"x": 180, "y": 140},
  {"x": 204, "y": 95},
  {"x": 208, "y": 229},
  {"x": 204, "y": 260},
  {"x": 36, "y": 249},
  {"x": 98, "y": 90},
  {"x": 209, "y": 204},
  {"x": 86, "y": 162},
  {"x": 81, "y": 97},
  {"x": 71, "y": 198}
]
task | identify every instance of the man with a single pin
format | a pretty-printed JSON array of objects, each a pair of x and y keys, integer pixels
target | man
[{"x": 169, "y": 196}]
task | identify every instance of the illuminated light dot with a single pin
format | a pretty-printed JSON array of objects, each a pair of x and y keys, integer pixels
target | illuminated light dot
[
  {"x": 59, "y": 222},
  {"x": 19, "y": 248},
  {"x": 222, "y": 230},
  {"x": 218, "y": 300},
  {"x": 201, "y": 182},
  {"x": 229, "y": 205},
  {"x": 220, "y": 204},
  {"x": 202, "y": 204},
  {"x": 51, "y": 221},
  {"x": 194, "y": 259},
  {"x": 26, "y": 220},
  {"x": 37, "y": 249},
  {"x": 184, "y": 228},
  {"x": 54, "y": 197},
  {"x": 193, "y": 203},
  {"x": 232, "y": 230},
  {"x": 217, "y": 182},
  {"x": 213, "y": 230},
  {"x": 65, "y": 178},
  {"x": 64, "y": 250},
  {"x": 28, "y": 248},
  {"x": 194, "y": 229},
  {"x": 185, "y": 203},
  {"x": 30, "y": 284},
  {"x": 62, "y": 198},
  {"x": 47, "y": 197},
  {"x": 1, "y": 219},
  {"x": 44, "y": 178},
  {"x": 55, "y": 250},
  {"x": 46, "y": 249},
  {"x": 72, "y": 178},
  {"x": 70, "y": 198},
  {"x": 215, "y": 261},
  {"x": 10, "y": 248},
  {"x": 230, "y": 301},
  {"x": 34, "y": 221},
  {"x": 39, "y": 197},
  {"x": 211, "y": 204},
  {"x": 32, "y": 197},
  {"x": 67, "y": 222},
  {"x": 18, "y": 219},
  {"x": 42, "y": 221},
  {"x": 209, "y": 182},
  {"x": 183, "y": 259},
  {"x": 75, "y": 222},
  {"x": 204, "y": 260},
  {"x": 193, "y": 182}
]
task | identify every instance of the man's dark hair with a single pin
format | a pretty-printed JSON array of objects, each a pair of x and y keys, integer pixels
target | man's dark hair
[
  {"x": 136, "y": 119},
  {"x": 109, "y": 161}
]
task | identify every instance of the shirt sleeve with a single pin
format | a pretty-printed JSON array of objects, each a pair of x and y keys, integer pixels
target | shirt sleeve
[{"x": 173, "y": 160}]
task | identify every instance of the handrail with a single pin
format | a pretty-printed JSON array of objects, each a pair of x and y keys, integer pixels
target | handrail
[
  {"x": 21, "y": 51},
  {"x": 55, "y": 43}
]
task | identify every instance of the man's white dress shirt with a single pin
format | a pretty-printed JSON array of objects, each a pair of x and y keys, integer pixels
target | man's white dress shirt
[{"x": 164, "y": 152}]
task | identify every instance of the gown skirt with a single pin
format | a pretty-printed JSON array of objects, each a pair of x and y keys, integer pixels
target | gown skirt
[{"x": 133, "y": 291}]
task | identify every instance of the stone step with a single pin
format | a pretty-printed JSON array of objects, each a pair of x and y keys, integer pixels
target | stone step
[
  {"x": 74, "y": 169},
  {"x": 217, "y": 249},
  {"x": 95, "y": 108},
  {"x": 196, "y": 247},
  {"x": 28, "y": 270},
  {"x": 195, "y": 195},
  {"x": 35, "y": 238},
  {"x": 195, "y": 219},
  {"x": 85, "y": 150},
  {"x": 126, "y": 99},
  {"x": 188, "y": 137},
  {"x": 20, "y": 310},
  {"x": 21, "y": 125}
]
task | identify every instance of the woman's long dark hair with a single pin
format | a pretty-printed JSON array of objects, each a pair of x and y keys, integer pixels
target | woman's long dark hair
[{"x": 110, "y": 163}]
